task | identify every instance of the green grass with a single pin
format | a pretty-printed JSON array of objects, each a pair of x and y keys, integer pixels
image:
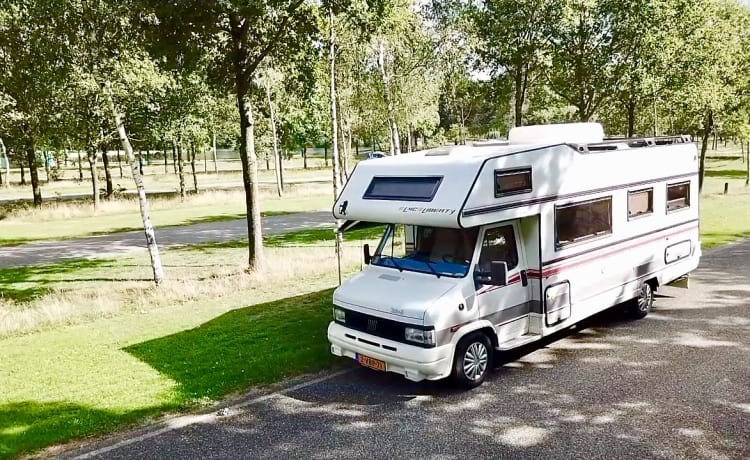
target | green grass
[
  {"x": 96, "y": 377},
  {"x": 724, "y": 218},
  {"x": 22, "y": 284}
]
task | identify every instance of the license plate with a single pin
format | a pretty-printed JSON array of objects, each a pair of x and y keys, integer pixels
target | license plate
[{"x": 372, "y": 363}]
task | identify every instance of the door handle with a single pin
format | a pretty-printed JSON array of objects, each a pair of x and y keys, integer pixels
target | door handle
[{"x": 524, "y": 278}]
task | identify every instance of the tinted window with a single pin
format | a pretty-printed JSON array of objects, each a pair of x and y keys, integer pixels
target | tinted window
[
  {"x": 498, "y": 245},
  {"x": 580, "y": 221},
  {"x": 403, "y": 188},
  {"x": 640, "y": 202},
  {"x": 510, "y": 182},
  {"x": 678, "y": 196}
]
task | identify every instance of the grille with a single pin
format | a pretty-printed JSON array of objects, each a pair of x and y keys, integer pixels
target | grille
[{"x": 381, "y": 327}]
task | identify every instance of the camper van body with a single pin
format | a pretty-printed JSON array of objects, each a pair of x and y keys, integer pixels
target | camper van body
[{"x": 573, "y": 228}]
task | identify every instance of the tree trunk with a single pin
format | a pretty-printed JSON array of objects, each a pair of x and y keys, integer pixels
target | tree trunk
[
  {"x": 747, "y": 164},
  {"x": 213, "y": 144},
  {"x": 334, "y": 118},
  {"x": 325, "y": 154},
  {"x": 7, "y": 163},
  {"x": 174, "y": 156},
  {"x": 250, "y": 178},
  {"x": 304, "y": 156},
  {"x": 192, "y": 168},
  {"x": 91, "y": 156},
  {"x": 704, "y": 146},
  {"x": 148, "y": 228},
  {"x": 119, "y": 162},
  {"x": 23, "y": 174},
  {"x": 166, "y": 157},
  {"x": 408, "y": 140},
  {"x": 181, "y": 169},
  {"x": 46, "y": 164},
  {"x": 518, "y": 98},
  {"x": 281, "y": 169},
  {"x": 36, "y": 190},
  {"x": 631, "y": 117},
  {"x": 395, "y": 140},
  {"x": 276, "y": 159},
  {"x": 107, "y": 175},
  {"x": 80, "y": 166}
]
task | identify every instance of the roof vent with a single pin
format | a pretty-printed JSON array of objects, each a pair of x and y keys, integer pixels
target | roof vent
[{"x": 577, "y": 133}]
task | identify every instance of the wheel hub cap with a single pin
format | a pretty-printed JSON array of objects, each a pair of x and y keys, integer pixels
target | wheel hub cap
[{"x": 475, "y": 361}]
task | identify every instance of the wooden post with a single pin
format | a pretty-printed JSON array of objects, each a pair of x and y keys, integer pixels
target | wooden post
[{"x": 726, "y": 188}]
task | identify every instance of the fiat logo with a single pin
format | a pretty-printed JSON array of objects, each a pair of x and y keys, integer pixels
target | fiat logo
[{"x": 372, "y": 324}]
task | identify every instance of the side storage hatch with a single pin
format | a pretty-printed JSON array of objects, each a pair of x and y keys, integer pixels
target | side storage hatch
[{"x": 557, "y": 303}]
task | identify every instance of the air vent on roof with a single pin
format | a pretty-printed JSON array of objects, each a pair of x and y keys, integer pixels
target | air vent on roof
[
  {"x": 563, "y": 133},
  {"x": 438, "y": 152}
]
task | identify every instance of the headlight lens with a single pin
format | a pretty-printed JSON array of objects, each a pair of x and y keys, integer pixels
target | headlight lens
[
  {"x": 339, "y": 315},
  {"x": 419, "y": 336}
]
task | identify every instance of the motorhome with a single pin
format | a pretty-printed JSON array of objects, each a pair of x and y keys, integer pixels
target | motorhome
[{"x": 492, "y": 246}]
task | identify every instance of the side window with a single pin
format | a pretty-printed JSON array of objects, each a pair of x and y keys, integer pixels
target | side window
[
  {"x": 581, "y": 221},
  {"x": 499, "y": 245},
  {"x": 640, "y": 202},
  {"x": 678, "y": 196}
]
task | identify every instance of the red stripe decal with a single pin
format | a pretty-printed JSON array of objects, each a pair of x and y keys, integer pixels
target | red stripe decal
[{"x": 556, "y": 270}]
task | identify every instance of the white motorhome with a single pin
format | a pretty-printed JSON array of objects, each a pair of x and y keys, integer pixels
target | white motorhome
[{"x": 495, "y": 245}]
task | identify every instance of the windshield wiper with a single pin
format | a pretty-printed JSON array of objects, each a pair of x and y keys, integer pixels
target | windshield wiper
[
  {"x": 429, "y": 265},
  {"x": 393, "y": 259}
]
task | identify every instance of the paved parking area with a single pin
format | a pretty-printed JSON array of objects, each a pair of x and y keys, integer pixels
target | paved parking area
[{"x": 673, "y": 385}]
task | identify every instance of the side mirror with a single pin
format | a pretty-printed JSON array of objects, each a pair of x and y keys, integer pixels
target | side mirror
[
  {"x": 498, "y": 274},
  {"x": 368, "y": 257}
]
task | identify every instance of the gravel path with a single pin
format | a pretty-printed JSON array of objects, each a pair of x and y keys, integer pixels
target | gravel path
[{"x": 47, "y": 252}]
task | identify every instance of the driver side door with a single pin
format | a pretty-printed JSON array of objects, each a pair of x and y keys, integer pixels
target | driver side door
[{"x": 506, "y": 307}]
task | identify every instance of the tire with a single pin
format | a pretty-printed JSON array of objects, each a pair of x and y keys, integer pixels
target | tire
[
  {"x": 473, "y": 360},
  {"x": 641, "y": 305}
]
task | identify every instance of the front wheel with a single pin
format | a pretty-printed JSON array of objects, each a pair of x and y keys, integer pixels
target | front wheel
[
  {"x": 641, "y": 305},
  {"x": 472, "y": 361}
]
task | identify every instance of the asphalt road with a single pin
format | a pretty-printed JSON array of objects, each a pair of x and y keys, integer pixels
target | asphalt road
[
  {"x": 673, "y": 385},
  {"x": 46, "y": 252}
]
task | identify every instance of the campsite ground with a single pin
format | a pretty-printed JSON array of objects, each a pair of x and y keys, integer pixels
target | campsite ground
[{"x": 90, "y": 347}]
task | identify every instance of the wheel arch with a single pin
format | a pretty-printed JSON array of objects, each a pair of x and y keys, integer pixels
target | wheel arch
[{"x": 483, "y": 326}]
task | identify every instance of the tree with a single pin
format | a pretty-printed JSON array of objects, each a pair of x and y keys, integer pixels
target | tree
[
  {"x": 514, "y": 38},
  {"x": 32, "y": 71},
  {"x": 235, "y": 38}
]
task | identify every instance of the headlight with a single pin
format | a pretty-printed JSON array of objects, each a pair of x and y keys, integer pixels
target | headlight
[
  {"x": 419, "y": 336},
  {"x": 339, "y": 315}
]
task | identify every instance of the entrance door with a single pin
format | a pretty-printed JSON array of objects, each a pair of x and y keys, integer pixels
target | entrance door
[{"x": 507, "y": 307}]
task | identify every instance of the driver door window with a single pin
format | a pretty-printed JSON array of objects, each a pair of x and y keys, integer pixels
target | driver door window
[{"x": 498, "y": 245}]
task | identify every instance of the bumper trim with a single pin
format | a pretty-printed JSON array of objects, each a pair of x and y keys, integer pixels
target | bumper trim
[{"x": 414, "y": 363}]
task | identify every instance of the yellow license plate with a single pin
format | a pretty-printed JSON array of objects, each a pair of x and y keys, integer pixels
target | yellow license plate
[{"x": 372, "y": 363}]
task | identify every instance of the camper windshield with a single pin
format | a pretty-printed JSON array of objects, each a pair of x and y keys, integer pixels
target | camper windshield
[{"x": 436, "y": 250}]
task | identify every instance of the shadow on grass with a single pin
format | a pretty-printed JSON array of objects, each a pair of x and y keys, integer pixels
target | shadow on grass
[
  {"x": 25, "y": 283},
  {"x": 713, "y": 239},
  {"x": 727, "y": 173},
  {"x": 30, "y": 425},
  {"x": 255, "y": 345}
]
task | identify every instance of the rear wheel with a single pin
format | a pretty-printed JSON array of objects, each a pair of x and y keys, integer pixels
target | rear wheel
[
  {"x": 641, "y": 305},
  {"x": 472, "y": 360}
]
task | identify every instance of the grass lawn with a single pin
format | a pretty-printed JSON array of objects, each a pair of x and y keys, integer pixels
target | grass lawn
[
  {"x": 211, "y": 331},
  {"x": 724, "y": 218}
]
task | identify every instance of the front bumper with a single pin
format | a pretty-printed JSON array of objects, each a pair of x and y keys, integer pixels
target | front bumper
[{"x": 414, "y": 363}]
